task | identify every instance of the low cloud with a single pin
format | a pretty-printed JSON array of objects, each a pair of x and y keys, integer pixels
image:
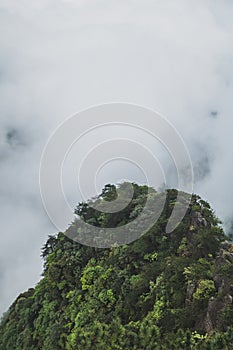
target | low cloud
[{"x": 59, "y": 57}]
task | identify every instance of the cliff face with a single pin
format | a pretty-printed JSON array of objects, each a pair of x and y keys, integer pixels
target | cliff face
[{"x": 163, "y": 291}]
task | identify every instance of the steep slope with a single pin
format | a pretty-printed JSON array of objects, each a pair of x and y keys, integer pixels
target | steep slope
[{"x": 163, "y": 291}]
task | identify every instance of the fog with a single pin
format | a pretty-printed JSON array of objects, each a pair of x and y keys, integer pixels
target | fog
[{"x": 60, "y": 57}]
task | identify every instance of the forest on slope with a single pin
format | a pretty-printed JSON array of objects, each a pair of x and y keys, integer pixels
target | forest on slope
[{"x": 162, "y": 291}]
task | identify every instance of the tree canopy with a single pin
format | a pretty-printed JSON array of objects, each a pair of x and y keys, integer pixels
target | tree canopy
[{"x": 162, "y": 291}]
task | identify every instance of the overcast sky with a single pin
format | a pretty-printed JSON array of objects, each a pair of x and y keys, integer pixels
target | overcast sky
[{"x": 61, "y": 56}]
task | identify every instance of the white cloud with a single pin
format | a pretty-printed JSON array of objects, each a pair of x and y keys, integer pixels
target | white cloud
[{"x": 58, "y": 57}]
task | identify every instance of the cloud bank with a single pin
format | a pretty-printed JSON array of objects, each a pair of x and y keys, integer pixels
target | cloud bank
[{"x": 59, "y": 57}]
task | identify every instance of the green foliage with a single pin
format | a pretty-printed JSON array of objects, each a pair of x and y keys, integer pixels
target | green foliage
[
  {"x": 205, "y": 290},
  {"x": 152, "y": 294},
  {"x": 107, "y": 297}
]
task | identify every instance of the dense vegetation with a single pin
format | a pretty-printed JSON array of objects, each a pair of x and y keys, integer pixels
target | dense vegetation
[{"x": 163, "y": 291}]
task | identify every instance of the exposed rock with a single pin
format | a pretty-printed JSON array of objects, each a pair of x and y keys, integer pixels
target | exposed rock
[
  {"x": 216, "y": 306},
  {"x": 217, "y": 281},
  {"x": 228, "y": 256},
  {"x": 227, "y": 299},
  {"x": 198, "y": 219},
  {"x": 211, "y": 321},
  {"x": 189, "y": 294},
  {"x": 225, "y": 245},
  {"x": 221, "y": 260}
]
